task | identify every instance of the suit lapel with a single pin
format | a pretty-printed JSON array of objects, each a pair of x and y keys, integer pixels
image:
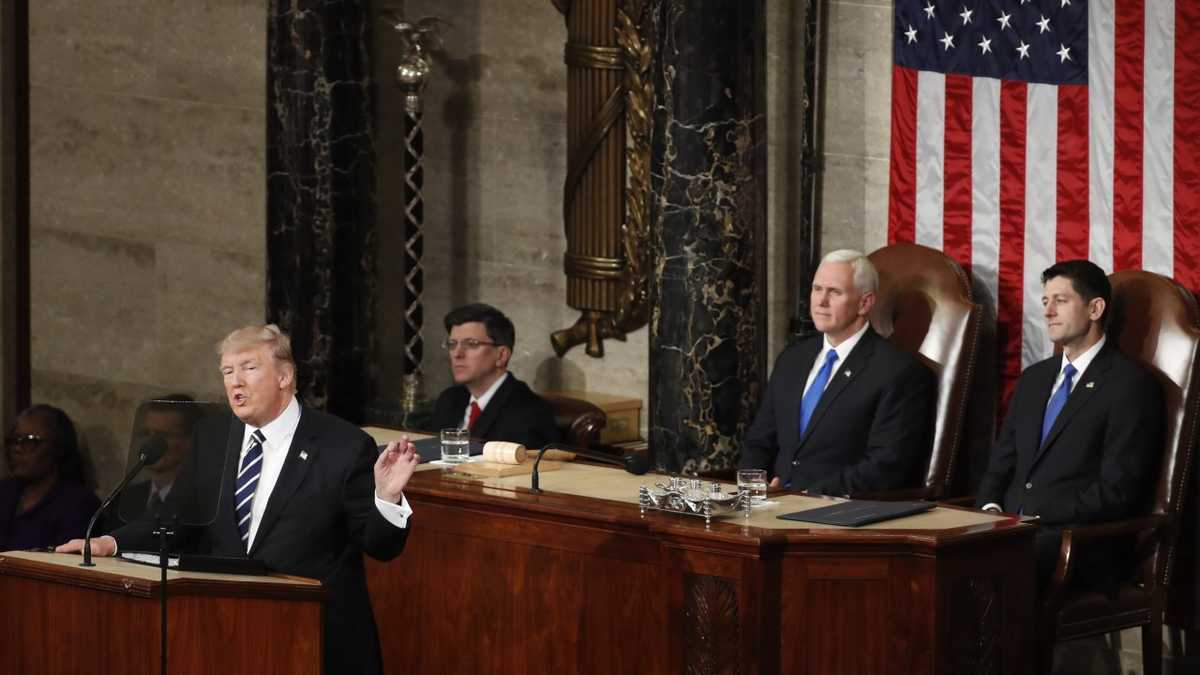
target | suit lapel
[
  {"x": 489, "y": 416},
  {"x": 300, "y": 456},
  {"x": 841, "y": 377},
  {"x": 1089, "y": 381}
]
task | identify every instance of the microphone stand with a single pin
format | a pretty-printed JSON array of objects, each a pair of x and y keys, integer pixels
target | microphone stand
[
  {"x": 632, "y": 463},
  {"x": 87, "y": 537},
  {"x": 163, "y": 531}
]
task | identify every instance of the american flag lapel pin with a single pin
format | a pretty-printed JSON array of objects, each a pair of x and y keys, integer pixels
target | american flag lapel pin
[
  {"x": 1091, "y": 385},
  {"x": 304, "y": 455},
  {"x": 846, "y": 373}
]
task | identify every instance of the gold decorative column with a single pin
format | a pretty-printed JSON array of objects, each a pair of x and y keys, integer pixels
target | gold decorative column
[{"x": 608, "y": 181}]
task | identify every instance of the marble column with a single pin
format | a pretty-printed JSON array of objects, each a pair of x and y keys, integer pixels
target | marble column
[
  {"x": 708, "y": 281},
  {"x": 14, "y": 211},
  {"x": 320, "y": 195}
]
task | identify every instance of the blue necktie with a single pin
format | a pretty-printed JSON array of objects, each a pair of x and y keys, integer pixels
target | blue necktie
[
  {"x": 813, "y": 396},
  {"x": 247, "y": 483},
  {"x": 1057, "y": 402}
]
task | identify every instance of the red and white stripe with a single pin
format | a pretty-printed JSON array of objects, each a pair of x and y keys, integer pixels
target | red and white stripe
[{"x": 1008, "y": 177}]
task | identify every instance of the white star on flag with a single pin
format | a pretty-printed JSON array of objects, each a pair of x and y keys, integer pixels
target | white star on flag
[
  {"x": 1043, "y": 25},
  {"x": 985, "y": 46},
  {"x": 947, "y": 41},
  {"x": 911, "y": 34},
  {"x": 1024, "y": 49},
  {"x": 966, "y": 15},
  {"x": 1064, "y": 3},
  {"x": 929, "y": 10},
  {"x": 1064, "y": 53},
  {"x": 1004, "y": 20}
]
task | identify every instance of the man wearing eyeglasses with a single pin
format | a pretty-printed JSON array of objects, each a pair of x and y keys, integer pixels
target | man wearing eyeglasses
[{"x": 486, "y": 398}]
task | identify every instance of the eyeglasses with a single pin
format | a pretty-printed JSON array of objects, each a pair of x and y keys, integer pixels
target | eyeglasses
[
  {"x": 470, "y": 344},
  {"x": 24, "y": 442}
]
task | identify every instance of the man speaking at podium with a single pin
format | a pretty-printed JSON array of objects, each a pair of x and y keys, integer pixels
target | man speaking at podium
[{"x": 300, "y": 495}]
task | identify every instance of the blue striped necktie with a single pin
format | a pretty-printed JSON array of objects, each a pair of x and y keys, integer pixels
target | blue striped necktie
[
  {"x": 1057, "y": 402},
  {"x": 247, "y": 483},
  {"x": 813, "y": 396}
]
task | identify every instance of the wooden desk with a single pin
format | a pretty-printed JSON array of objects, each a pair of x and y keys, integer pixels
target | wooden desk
[
  {"x": 57, "y": 617},
  {"x": 496, "y": 579}
]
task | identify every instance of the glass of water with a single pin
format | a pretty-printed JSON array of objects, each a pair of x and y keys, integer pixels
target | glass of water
[
  {"x": 456, "y": 445},
  {"x": 754, "y": 482}
]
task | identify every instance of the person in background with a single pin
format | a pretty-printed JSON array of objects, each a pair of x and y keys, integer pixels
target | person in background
[
  {"x": 845, "y": 410},
  {"x": 172, "y": 419},
  {"x": 486, "y": 398},
  {"x": 1084, "y": 430},
  {"x": 44, "y": 501}
]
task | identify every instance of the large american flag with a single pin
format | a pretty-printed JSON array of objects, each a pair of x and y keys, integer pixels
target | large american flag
[{"x": 1029, "y": 131}]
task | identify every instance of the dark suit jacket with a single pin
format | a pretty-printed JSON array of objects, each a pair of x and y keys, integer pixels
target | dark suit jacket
[
  {"x": 320, "y": 519},
  {"x": 871, "y": 430},
  {"x": 1097, "y": 461},
  {"x": 514, "y": 414},
  {"x": 133, "y": 502}
]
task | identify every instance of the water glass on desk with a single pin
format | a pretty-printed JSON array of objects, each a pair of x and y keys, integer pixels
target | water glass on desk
[
  {"x": 754, "y": 482},
  {"x": 456, "y": 445}
]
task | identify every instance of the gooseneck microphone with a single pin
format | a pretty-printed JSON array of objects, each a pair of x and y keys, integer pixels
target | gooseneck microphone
[
  {"x": 151, "y": 451},
  {"x": 633, "y": 462}
]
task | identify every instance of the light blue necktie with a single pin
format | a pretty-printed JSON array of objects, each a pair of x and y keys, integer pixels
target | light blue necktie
[
  {"x": 247, "y": 483},
  {"x": 1057, "y": 402},
  {"x": 813, "y": 396}
]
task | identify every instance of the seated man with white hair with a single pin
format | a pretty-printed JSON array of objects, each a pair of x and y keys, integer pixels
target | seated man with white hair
[{"x": 845, "y": 411}]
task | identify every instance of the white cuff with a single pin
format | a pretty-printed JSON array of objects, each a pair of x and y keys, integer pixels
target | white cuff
[
  {"x": 396, "y": 514},
  {"x": 989, "y": 505}
]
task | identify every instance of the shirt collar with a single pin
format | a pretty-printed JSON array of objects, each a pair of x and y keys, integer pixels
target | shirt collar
[
  {"x": 1085, "y": 359},
  {"x": 843, "y": 350},
  {"x": 487, "y": 395},
  {"x": 278, "y": 429}
]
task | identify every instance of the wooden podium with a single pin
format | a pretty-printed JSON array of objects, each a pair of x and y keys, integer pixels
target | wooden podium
[
  {"x": 496, "y": 579},
  {"x": 57, "y": 617}
]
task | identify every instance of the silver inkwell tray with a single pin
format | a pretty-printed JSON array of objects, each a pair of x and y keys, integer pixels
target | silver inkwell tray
[{"x": 693, "y": 497}]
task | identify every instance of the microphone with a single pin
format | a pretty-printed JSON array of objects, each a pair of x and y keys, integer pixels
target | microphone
[
  {"x": 152, "y": 450},
  {"x": 632, "y": 462}
]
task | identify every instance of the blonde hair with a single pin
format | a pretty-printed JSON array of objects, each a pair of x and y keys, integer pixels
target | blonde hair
[
  {"x": 866, "y": 277},
  {"x": 254, "y": 335}
]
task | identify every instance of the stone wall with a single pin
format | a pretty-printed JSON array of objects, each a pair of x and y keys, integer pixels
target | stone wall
[
  {"x": 7, "y": 229},
  {"x": 495, "y": 140},
  {"x": 147, "y": 201},
  {"x": 495, "y": 159}
]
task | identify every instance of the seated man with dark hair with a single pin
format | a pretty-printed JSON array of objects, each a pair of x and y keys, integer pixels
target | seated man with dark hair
[
  {"x": 486, "y": 398},
  {"x": 172, "y": 419},
  {"x": 1083, "y": 432}
]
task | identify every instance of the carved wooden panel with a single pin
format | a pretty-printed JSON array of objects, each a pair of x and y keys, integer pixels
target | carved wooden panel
[
  {"x": 974, "y": 640},
  {"x": 711, "y": 626}
]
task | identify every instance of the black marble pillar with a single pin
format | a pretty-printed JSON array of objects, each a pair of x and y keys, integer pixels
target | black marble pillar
[
  {"x": 708, "y": 281},
  {"x": 320, "y": 195}
]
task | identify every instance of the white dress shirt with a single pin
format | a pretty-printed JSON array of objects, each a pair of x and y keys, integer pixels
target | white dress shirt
[
  {"x": 843, "y": 350},
  {"x": 279, "y": 433},
  {"x": 482, "y": 401}
]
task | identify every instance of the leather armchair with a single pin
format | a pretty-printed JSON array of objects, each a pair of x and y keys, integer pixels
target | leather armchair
[
  {"x": 925, "y": 305},
  {"x": 579, "y": 421},
  {"x": 1156, "y": 321}
]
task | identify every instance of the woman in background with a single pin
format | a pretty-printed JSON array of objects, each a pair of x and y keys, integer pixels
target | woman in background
[{"x": 43, "y": 501}]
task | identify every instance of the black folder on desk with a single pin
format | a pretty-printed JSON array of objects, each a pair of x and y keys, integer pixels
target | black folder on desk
[{"x": 856, "y": 513}]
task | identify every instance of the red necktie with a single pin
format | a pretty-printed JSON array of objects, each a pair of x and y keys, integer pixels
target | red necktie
[{"x": 475, "y": 410}]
